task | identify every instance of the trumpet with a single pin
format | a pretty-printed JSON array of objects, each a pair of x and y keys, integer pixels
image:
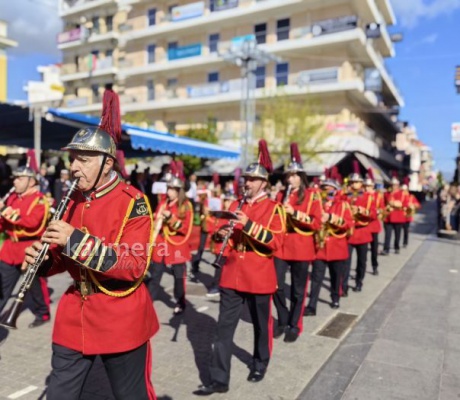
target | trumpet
[
  {"x": 218, "y": 261},
  {"x": 9, "y": 319}
]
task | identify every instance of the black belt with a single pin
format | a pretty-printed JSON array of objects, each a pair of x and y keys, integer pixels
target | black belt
[{"x": 88, "y": 287}]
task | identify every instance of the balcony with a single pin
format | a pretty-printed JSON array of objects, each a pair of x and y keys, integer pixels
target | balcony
[
  {"x": 72, "y": 7},
  {"x": 71, "y": 72},
  {"x": 80, "y": 36}
]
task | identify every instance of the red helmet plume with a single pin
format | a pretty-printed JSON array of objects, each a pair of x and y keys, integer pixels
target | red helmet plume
[
  {"x": 264, "y": 156},
  {"x": 110, "y": 119}
]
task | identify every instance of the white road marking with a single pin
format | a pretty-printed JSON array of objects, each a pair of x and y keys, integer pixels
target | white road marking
[
  {"x": 453, "y": 271},
  {"x": 201, "y": 309},
  {"x": 20, "y": 393}
]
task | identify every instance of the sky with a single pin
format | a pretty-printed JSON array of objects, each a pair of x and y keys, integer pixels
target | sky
[{"x": 423, "y": 68}]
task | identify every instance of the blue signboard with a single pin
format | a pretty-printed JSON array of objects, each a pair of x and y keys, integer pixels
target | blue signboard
[{"x": 192, "y": 50}]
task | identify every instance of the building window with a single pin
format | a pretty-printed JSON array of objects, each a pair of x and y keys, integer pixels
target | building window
[
  {"x": 150, "y": 90},
  {"x": 151, "y": 53},
  {"x": 171, "y": 88},
  {"x": 282, "y": 29},
  {"x": 95, "y": 21},
  {"x": 172, "y": 45},
  {"x": 260, "y": 77},
  {"x": 171, "y": 126},
  {"x": 151, "y": 16},
  {"x": 109, "y": 53},
  {"x": 109, "y": 23},
  {"x": 213, "y": 42},
  {"x": 95, "y": 91},
  {"x": 171, "y": 83},
  {"x": 213, "y": 77},
  {"x": 282, "y": 74},
  {"x": 260, "y": 30}
]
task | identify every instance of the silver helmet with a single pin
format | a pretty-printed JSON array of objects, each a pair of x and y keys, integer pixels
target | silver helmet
[{"x": 93, "y": 139}]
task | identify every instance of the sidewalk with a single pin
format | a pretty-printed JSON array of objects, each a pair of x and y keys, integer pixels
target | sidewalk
[
  {"x": 408, "y": 344},
  {"x": 182, "y": 348}
]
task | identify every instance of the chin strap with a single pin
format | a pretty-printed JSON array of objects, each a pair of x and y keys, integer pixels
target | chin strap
[{"x": 104, "y": 159}]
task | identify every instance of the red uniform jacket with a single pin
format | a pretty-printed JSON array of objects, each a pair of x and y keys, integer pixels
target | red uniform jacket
[
  {"x": 375, "y": 226},
  {"x": 412, "y": 207},
  {"x": 397, "y": 214},
  {"x": 298, "y": 242},
  {"x": 366, "y": 214},
  {"x": 334, "y": 244},
  {"x": 250, "y": 266},
  {"x": 110, "y": 245},
  {"x": 172, "y": 244},
  {"x": 24, "y": 220}
]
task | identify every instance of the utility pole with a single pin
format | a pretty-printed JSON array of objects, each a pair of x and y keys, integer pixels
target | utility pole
[{"x": 248, "y": 57}]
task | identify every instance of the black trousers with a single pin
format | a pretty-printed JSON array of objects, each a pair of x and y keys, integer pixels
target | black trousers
[
  {"x": 336, "y": 271},
  {"x": 128, "y": 373},
  {"x": 178, "y": 270},
  {"x": 375, "y": 250},
  {"x": 361, "y": 262},
  {"x": 199, "y": 254},
  {"x": 299, "y": 277},
  {"x": 9, "y": 276},
  {"x": 217, "y": 274},
  {"x": 405, "y": 228},
  {"x": 388, "y": 230},
  {"x": 39, "y": 298},
  {"x": 230, "y": 306}
]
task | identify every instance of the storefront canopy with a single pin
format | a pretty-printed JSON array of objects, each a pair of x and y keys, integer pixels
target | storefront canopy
[{"x": 58, "y": 127}]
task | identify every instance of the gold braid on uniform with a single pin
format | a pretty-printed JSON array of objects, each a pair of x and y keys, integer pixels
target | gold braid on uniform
[{"x": 149, "y": 253}]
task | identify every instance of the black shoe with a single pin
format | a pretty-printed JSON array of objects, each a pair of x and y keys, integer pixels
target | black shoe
[
  {"x": 215, "y": 387},
  {"x": 38, "y": 322},
  {"x": 291, "y": 336},
  {"x": 309, "y": 312},
  {"x": 344, "y": 293},
  {"x": 193, "y": 278},
  {"x": 384, "y": 253},
  {"x": 404, "y": 246},
  {"x": 335, "y": 305},
  {"x": 358, "y": 288},
  {"x": 278, "y": 331},
  {"x": 256, "y": 376},
  {"x": 397, "y": 251},
  {"x": 375, "y": 272}
]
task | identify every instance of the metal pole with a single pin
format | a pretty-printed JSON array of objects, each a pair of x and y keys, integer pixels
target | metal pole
[{"x": 38, "y": 135}]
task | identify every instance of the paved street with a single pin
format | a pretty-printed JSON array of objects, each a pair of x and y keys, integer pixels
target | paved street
[{"x": 404, "y": 345}]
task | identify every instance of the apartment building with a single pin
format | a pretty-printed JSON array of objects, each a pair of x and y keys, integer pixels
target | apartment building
[
  {"x": 5, "y": 43},
  {"x": 165, "y": 59}
]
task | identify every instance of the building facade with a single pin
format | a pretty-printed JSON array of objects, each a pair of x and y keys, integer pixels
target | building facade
[
  {"x": 5, "y": 44},
  {"x": 166, "y": 61}
]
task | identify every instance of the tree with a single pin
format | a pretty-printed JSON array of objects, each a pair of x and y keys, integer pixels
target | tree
[
  {"x": 285, "y": 120},
  {"x": 205, "y": 132}
]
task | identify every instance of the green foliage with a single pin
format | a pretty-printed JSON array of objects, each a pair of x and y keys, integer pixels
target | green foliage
[
  {"x": 136, "y": 118},
  {"x": 205, "y": 132},
  {"x": 285, "y": 120}
]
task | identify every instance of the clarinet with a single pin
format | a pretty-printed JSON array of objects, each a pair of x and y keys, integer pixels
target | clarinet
[
  {"x": 287, "y": 194},
  {"x": 9, "y": 319},
  {"x": 5, "y": 198},
  {"x": 218, "y": 261}
]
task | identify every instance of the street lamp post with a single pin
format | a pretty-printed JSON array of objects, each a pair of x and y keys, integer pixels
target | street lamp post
[{"x": 248, "y": 57}]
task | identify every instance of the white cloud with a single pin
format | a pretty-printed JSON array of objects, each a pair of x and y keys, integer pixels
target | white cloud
[
  {"x": 410, "y": 12},
  {"x": 430, "y": 39},
  {"x": 34, "y": 24}
]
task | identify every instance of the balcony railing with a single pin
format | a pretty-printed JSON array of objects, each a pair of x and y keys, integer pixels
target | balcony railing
[{"x": 85, "y": 67}]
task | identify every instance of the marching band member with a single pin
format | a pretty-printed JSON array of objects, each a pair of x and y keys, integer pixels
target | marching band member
[
  {"x": 364, "y": 211},
  {"x": 248, "y": 275},
  {"x": 396, "y": 202},
  {"x": 331, "y": 244},
  {"x": 375, "y": 226},
  {"x": 412, "y": 207},
  {"x": 23, "y": 217},
  {"x": 173, "y": 227},
  {"x": 103, "y": 242},
  {"x": 303, "y": 218}
]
